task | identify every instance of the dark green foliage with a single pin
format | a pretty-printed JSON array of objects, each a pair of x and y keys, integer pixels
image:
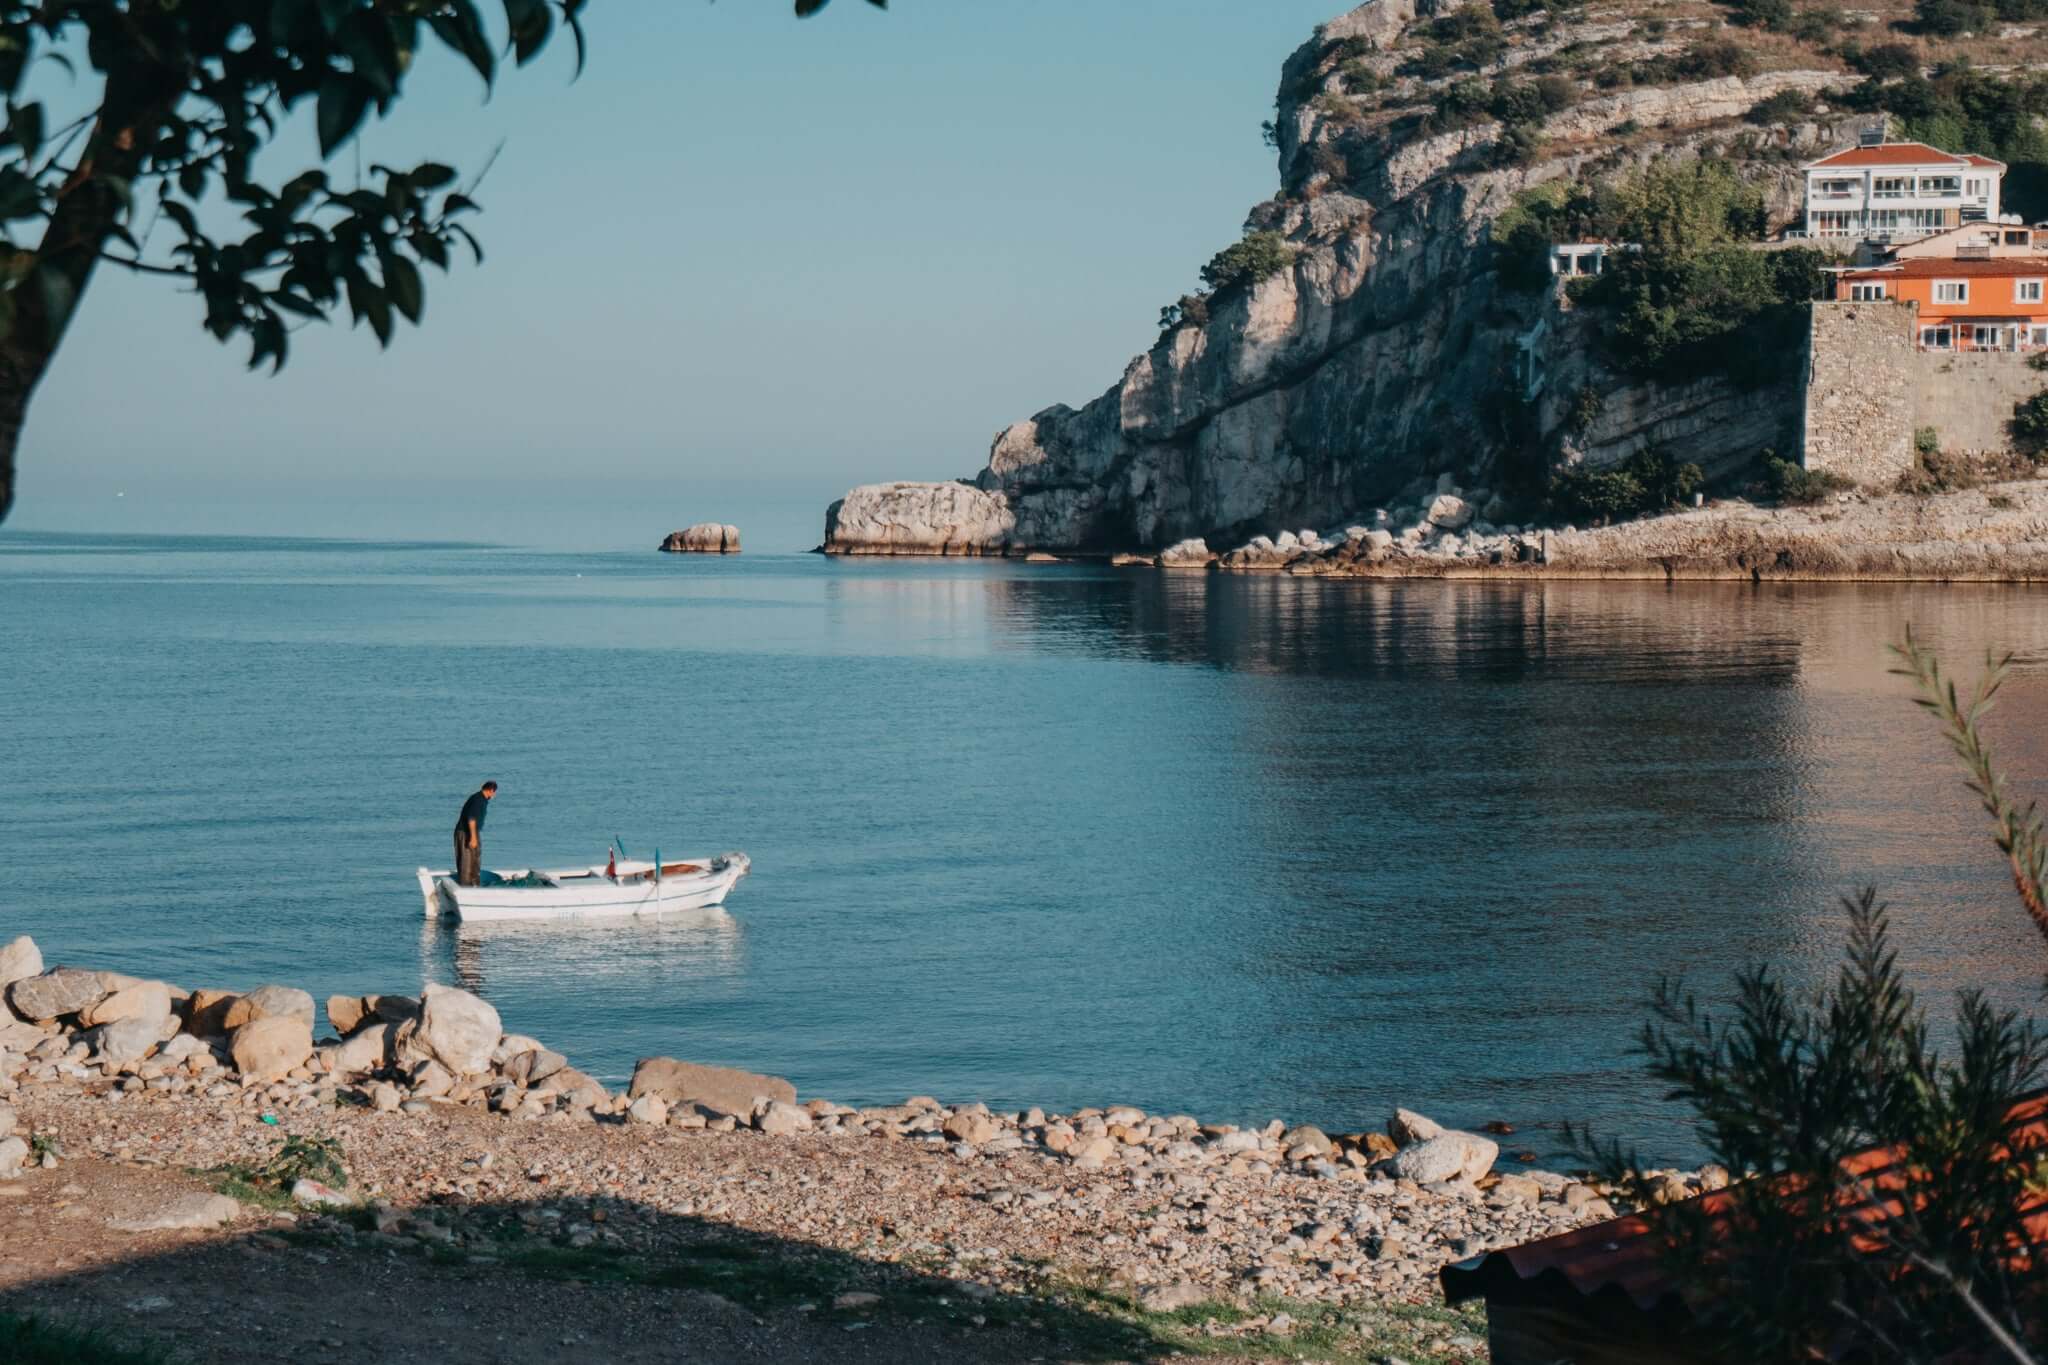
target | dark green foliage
[
  {"x": 1809, "y": 1258},
  {"x": 1682, "y": 315},
  {"x": 1654, "y": 28},
  {"x": 1648, "y": 481},
  {"x": 1786, "y": 106},
  {"x": 1816, "y": 25},
  {"x": 1191, "y": 311},
  {"x": 1587, "y": 404},
  {"x": 1926, "y": 441},
  {"x": 1787, "y": 482},
  {"x": 1259, "y": 256},
  {"x": 1711, "y": 58},
  {"x": 1775, "y": 15},
  {"x": 1519, "y": 144},
  {"x": 2030, "y": 427},
  {"x": 1948, "y": 18},
  {"x": 1468, "y": 37},
  {"x": 1886, "y": 61}
]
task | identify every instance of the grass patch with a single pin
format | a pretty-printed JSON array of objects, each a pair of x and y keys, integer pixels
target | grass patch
[{"x": 35, "y": 1341}]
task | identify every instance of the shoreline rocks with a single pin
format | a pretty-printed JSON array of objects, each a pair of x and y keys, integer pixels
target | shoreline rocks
[
  {"x": 705, "y": 538},
  {"x": 1158, "y": 1201}
]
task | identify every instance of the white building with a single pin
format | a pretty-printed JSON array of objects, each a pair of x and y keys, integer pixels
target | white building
[{"x": 1882, "y": 191}]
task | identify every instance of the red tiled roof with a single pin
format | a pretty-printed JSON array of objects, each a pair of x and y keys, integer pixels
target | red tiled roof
[
  {"x": 1978, "y": 159},
  {"x": 1891, "y": 154},
  {"x": 1949, "y": 268},
  {"x": 1623, "y": 1254}
]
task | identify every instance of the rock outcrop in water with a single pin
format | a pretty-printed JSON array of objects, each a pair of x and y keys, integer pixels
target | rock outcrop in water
[
  {"x": 1377, "y": 359},
  {"x": 705, "y": 538}
]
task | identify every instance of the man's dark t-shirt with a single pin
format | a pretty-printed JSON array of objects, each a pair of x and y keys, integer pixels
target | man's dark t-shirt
[{"x": 476, "y": 808}]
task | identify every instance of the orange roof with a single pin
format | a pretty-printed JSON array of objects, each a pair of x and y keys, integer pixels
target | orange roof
[
  {"x": 1625, "y": 1254},
  {"x": 1892, "y": 154},
  {"x": 1978, "y": 159},
  {"x": 1948, "y": 268}
]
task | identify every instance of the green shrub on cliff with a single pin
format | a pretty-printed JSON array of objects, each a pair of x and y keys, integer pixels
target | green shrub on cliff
[
  {"x": 1260, "y": 256},
  {"x": 1723, "y": 311},
  {"x": 2030, "y": 427},
  {"x": 1787, "y": 482},
  {"x": 1647, "y": 481},
  {"x": 1810, "y": 1258}
]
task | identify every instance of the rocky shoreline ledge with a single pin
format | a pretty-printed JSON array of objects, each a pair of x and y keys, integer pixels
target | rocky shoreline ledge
[
  {"x": 445, "y": 1119},
  {"x": 1995, "y": 533}
]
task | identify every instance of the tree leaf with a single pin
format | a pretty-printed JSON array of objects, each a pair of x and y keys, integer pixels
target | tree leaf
[
  {"x": 530, "y": 23},
  {"x": 58, "y": 297},
  {"x": 402, "y": 281},
  {"x": 462, "y": 28},
  {"x": 430, "y": 175},
  {"x": 25, "y": 126},
  {"x": 343, "y": 102}
]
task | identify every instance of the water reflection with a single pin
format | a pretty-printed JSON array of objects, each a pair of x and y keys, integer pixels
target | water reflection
[{"x": 654, "y": 954}]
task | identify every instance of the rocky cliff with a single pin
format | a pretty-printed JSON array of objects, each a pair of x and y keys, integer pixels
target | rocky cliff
[{"x": 1377, "y": 359}]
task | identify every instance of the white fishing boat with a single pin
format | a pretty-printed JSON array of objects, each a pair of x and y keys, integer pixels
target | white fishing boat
[{"x": 622, "y": 886}]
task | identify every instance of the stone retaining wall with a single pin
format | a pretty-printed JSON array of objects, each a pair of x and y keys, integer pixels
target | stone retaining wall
[
  {"x": 1860, "y": 391},
  {"x": 1869, "y": 388}
]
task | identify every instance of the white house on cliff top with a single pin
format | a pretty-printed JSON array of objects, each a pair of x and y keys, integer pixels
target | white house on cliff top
[{"x": 1897, "y": 191}]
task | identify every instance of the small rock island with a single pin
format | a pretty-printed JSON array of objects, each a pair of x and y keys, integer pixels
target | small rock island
[{"x": 705, "y": 538}]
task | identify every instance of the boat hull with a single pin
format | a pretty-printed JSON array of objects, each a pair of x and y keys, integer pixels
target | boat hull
[{"x": 584, "y": 893}]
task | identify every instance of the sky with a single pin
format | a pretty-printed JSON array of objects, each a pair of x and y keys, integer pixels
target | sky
[{"x": 741, "y": 265}]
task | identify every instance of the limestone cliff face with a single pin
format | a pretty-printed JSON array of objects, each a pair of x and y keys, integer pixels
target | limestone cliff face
[{"x": 1376, "y": 359}]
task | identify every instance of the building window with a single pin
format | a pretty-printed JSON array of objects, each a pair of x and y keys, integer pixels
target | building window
[
  {"x": 1951, "y": 291},
  {"x": 1937, "y": 338},
  {"x": 1835, "y": 189},
  {"x": 2026, "y": 291},
  {"x": 2037, "y": 335},
  {"x": 1991, "y": 338},
  {"x": 2016, "y": 238},
  {"x": 1940, "y": 186},
  {"x": 1891, "y": 187},
  {"x": 1867, "y": 293},
  {"x": 1977, "y": 188}
]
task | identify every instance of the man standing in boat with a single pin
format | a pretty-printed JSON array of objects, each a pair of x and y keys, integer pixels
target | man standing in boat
[{"x": 469, "y": 835}]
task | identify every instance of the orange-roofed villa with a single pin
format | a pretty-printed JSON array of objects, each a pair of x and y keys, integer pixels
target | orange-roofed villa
[
  {"x": 1880, "y": 191},
  {"x": 1992, "y": 304}
]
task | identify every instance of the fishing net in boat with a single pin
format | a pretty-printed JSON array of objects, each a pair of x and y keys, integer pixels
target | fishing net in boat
[{"x": 527, "y": 880}]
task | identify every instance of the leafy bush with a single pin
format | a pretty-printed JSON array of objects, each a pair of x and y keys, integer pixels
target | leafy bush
[
  {"x": 1816, "y": 25},
  {"x": 2030, "y": 427},
  {"x": 1519, "y": 144},
  {"x": 1809, "y": 1257},
  {"x": 1790, "y": 483},
  {"x": 1712, "y": 58},
  {"x": 1260, "y": 256},
  {"x": 1887, "y": 61},
  {"x": 1775, "y": 15},
  {"x": 1648, "y": 481},
  {"x": 1783, "y": 107},
  {"x": 1926, "y": 440},
  {"x": 1192, "y": 310},
  {"x": 1587, "y": 405},
  {"x": 1724, "y": 310},
  {"x": 1948, "y": 18}
]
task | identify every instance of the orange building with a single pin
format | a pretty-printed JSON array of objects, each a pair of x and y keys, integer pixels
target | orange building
[{"x": 2000, "y": 304}]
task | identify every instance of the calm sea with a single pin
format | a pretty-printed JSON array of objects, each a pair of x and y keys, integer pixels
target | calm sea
[{"x": 1237, "y": 847}]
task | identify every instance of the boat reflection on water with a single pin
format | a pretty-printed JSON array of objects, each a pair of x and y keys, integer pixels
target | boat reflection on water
[{"x": 674, "y": 947}]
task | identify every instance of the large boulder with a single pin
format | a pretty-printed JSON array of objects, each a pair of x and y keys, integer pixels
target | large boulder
[
  {"x": 919, "y": 519},
  {"x": 271, "y": 1002},
  {"x": 267, "y": 1048},
  {"x": 346, "y": 1013},
  {"x": 1449, "y": 1156},
  {"x": 18, "y": 959},
  {"x": 454, "y": 1028},
  {"x": 705, "y": 538},
  {"x": 149, "y": 1000},
  {"x": 55, "y": 993},
  {"x": 364, "y": 1050},
  {"x": 716, "y": 1087},
  {"x": 1186, "y": 554},
  {"x": 127, "y": 1040},
  {"x": 206, "y": 1012}
]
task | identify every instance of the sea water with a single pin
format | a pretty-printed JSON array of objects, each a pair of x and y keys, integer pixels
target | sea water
[{"x": 1239, "y": 847}]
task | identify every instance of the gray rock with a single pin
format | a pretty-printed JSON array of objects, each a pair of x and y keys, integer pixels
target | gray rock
[
  {"x": 346, "y": 1013},
  {"x": 1408, "y": 1127},
  {"x": 720, "y": 1088},
  {"x": 198, "y": 1210},
  {"x": 20, "y": 958},
  {"x": 1309, "y": 1137},
  {"x": 148, "y": 1000},
  {"x": 126, "y": 1040},
  {"x": 1171, "y": 1298},
  {"x": 1243, "y": 1140},
  {"x": 52, "y": 994},
  {"x": 270, "y": 1002},
  {"x": 456, "y": 1029},
  {"x": 706, "y": 538},
  {"x": 367, "y": 1049},
  {"x": 919, "y": 519},
  {"x": 314, "y": 1195},
  {"x": 1449, "y": 1156},
  {"x": 384, "y": 1097},
  {"x": 779, "y": 1119},
  {"x": 648, "y": 1109},
  {"x": 1185, "y": 554},
  {"x": 8, "y": 1121}
]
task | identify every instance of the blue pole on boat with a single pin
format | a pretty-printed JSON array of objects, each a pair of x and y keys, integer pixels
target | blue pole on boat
[{"x": 657, "y": 864}]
